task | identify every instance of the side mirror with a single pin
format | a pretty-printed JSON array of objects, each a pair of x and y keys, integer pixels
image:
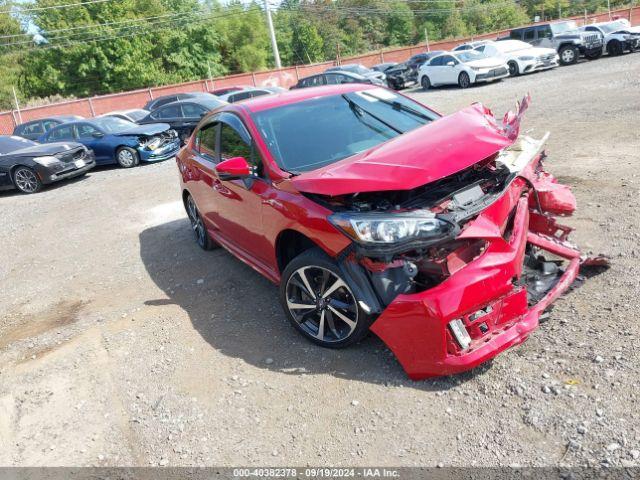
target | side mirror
[
  {"x": 233, "y": 169},
  {"x": 451, "y": 64},
  {"x": 202, "y": 115},
  {"x": 97, "y": 134}
]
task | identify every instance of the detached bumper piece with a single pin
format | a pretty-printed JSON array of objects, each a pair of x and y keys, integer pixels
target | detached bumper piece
[{"x": 494, "y": 301}]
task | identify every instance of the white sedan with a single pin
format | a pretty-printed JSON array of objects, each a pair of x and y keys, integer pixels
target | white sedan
[
  {"x": 462, "y": 68},
  {"x": 520, "y": 56}
]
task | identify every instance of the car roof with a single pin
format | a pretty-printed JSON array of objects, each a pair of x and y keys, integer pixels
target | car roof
[
  {"x": 213, "y": 102},
  {"x": 298, "y": 95}
]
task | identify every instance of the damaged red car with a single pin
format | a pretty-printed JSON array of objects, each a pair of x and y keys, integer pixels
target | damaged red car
[{"x": 374, "y": 212}]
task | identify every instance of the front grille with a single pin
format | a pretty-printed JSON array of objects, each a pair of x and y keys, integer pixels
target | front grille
[
  {"x": 547, "y": 58},
  {"x": 497, "y": 72},
  {"x": 72, "y": 155}
]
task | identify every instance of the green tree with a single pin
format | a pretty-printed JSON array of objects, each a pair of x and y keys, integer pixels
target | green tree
[{"x": 9, "y": 65}]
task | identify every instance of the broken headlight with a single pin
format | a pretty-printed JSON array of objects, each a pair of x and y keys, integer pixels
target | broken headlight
[
  {"x": 373, "y": 228},
  {"x": 151, "y": 144}
]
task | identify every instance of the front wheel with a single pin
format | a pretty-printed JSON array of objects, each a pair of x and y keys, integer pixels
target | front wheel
[
  {"x": 26, "y": 180},
  {"x": 319, "y": 303},
  {"x": 514, "y": 70},
  {"x": 614, "y": 48},
  {"x": 425, "y": 83},
  {"x": 463, "y": 80},
  {"x": 127, "y": 157},
  {"x": 568, "y": 55}
]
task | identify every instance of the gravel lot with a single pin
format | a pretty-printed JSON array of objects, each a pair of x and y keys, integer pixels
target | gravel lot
[{"x": 122, "y": 343}]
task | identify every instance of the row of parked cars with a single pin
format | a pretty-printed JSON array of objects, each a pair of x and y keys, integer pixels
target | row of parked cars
[{"x": 51, "y": 149}]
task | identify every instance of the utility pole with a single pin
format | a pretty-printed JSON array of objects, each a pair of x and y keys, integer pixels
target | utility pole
[
  {"x": 15, "y": 98},
  {"x": 559, "y": 11},
  {"x": 210, "y": 76},
  {"x": 426, "y": 38},
  {"x": 609, "y": 8},
  {"x": 272, "y": 35}
]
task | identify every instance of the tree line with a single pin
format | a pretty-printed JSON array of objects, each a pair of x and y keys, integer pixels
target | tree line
[{"x": 104, "y": 46}]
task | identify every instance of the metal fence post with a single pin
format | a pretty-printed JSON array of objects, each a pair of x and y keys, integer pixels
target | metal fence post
[{"x": 93, "y": 112}]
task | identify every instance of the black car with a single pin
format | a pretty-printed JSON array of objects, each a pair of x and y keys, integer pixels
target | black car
[
  {"x": 406, "y": 73},
  {"x": 335, "y": 78},
  {"x": 183, "y": 115},
  {"x": 163, "y": 100},
  {"x": 131, "y": 115},
  {"x": 383, "y": 67},
  {"x": 35, "y": 128},
  {"x": 358, "y": 69},
  {"x": 27, "y": 165}
]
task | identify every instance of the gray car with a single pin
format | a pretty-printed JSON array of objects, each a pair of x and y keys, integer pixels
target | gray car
[
  {"x": 565, "y": 37},
  {"x": 377, "y": 77}
]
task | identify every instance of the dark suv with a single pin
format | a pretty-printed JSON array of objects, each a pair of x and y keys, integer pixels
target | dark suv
[{"x": 564, "y": 36}]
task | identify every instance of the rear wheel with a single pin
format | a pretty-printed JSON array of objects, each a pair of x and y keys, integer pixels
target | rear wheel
[
  {"x": 319, "y": 303},
  {"x": 197, "y": 224},
  {"x": 568, "y": 55},
  {"x": 614, "y": 48},
  {"x": 425, "y": 83},
  {"x": 26, "y": 180},
  {"x": 127, "y": 157},
  {"x": 514, "y": 70},
  {"x": 463, "y": 80}
]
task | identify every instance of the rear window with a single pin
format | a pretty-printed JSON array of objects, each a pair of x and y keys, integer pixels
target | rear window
[{"x": 338, "y": 126}]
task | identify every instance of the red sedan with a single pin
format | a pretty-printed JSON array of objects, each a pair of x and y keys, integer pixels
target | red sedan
[{"x": 373, "y": 212}]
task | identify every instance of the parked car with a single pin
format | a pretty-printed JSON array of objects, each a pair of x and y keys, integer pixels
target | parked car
[
  {"x": 224, "y": 90},
  {"x": 27, "y": 165},
  {"x": 375, "y": 76},
  {"x": 132, "y": 115},
  {"x": 183, "y": 115},
  {"x": 114, "y": 140},
  {"x": 470, "y": 45},
  {"x": 335, "y": 78},
  {"x": 426, "y": 230},
  {"x": 249, "y": 92},
  {"x": 163, "y": 100},
  {"x": 407, "y": 73},
  {"x": 34, "y": 129},
  {"x": 564, "y": 37},
  {"x": 463, "y": 68},
  {"x": 520, "y": 56},
  {"x": 617, "y": 39},
  {"x": 383, "y": 67}
]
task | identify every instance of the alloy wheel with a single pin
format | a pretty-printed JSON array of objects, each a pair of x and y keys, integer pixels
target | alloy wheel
[
  {"x": 568, "y": 55},
  {"x": 464, "y": 80},
  {"x": 322, "y": 304},
  {"x": 196, "y": 222},
  {"x": 26, "y": 180},
  {"x": 125, "y": 158}
]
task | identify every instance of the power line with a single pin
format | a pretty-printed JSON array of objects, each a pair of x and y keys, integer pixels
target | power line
[{"x": 52, "y": 7}]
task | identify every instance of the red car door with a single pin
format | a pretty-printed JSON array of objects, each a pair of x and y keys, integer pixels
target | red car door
[{"x": 236, "y": 207}]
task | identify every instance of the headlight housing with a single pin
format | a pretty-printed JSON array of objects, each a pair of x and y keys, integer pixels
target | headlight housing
[
  {"x": 381, "y": 229},
  {"x": 151, "y": 144},
  {"x": 46, "y": 161}
]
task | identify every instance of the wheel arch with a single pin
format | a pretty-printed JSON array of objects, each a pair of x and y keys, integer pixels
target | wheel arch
[{"x": 289, "y": 244}]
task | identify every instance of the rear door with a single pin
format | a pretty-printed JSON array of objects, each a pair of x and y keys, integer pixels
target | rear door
[
  {"x": 192, "y": 113},
  {"x": 85, "y": 134},
  {"x": 434, "y": 70},
  {"x": 172, "y": 114}
]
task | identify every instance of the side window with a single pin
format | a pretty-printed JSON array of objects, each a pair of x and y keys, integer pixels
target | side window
[
  {"x": 172, "y": 111},
  {"x": 32, "y": 129},
  {"x": 436, "y": 62},
  {"x": 49, "y": 124},
  {"x": 544, "y": 31},
  {"x": 332, "y": 78},
  {"x": 483, "y": 48},
  {"x": 206, "y": 141},
  {"x": 516, "y": 34},
  {"x": 236, "y": 97},
  {"x": 61, "y": 133},
  {"x": 259, "y": 93},
  {"x": 85, "y": 130},
  {"x": 316, "y": 81},
  {"x": 191, "y": 110},
  {"x": 448, "y": 58},
  {"x": 233, "y": 145},
  {"x": 529, "y": 34}
]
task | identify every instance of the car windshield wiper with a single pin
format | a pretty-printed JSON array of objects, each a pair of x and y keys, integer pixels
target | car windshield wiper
[
  {"x": 400, "y": 106},
  {"x": 358, "y": 108}
]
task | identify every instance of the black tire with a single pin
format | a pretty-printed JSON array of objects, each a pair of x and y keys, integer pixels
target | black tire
[
  {"x": 463, "y": 80},
  {"x": 184, "y": 137},
  {"x": 26, "y": 180},
  {"x": 333, "y": 317},
  {"x": 614, "y": 48},
  {"x": 425, "y": 83},
  {"x": 632, "y": 47},
  {"x": 203, "y": 239},
  {"x": 568, "y": 55},
  {"x": 514, "y": 70},
  {"x": 127, "y": 157}
]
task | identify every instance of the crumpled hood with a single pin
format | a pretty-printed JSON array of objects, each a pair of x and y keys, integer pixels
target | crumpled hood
[
  {"x": 150, "y": 129},
  {"x": 45, "y": 149},
  {"x": 424, "y": 155}
]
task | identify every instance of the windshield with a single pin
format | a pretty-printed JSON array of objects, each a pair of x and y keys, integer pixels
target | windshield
[
  {"x": 563, "y": 27},
  {"x": 307, "y": 135},
  {"x": 113, "y": 124},
  {"x": 610, "y": 27},
  {"x": 470, "y": 56},
  {"x": 11, "y": 144}
]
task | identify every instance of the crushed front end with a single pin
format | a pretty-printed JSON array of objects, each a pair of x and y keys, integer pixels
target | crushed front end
[{"x": 493, "y": 257}]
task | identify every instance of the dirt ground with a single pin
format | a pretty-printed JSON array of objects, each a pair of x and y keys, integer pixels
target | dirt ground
[{"x": 122, "y": 343}]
